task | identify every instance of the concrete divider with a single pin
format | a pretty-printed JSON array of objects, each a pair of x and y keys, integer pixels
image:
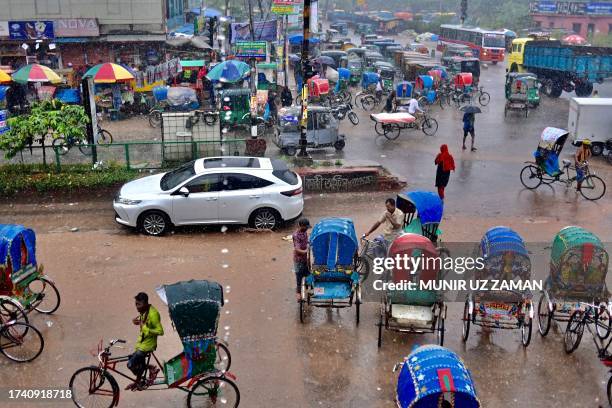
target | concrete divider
[{"x": 336, "y": 179}]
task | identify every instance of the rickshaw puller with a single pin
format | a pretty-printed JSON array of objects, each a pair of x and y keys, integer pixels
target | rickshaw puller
[{"x": 391, "y": 222}]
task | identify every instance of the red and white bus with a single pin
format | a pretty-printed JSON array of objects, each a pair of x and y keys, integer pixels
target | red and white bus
[{"x": 485, "y": 44}]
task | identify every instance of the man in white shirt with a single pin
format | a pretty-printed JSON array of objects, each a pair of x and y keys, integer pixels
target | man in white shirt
[
  {"x": 392, "y": 222},
  {"x": 415, "y": 110}
]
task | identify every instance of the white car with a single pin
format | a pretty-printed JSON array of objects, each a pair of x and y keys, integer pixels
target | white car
[{"x": 257, "y": 191}]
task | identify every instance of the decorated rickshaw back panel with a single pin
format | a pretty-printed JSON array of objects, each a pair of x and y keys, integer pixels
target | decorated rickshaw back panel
[{"x": 18, "y": 265}]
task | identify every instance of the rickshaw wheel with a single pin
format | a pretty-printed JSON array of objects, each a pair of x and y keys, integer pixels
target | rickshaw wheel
[
  {"x": 380, "y": 325},
  {"x": 82, "y": 388},
  {"x": 602, "y": 318},
  {"x": 45, "y": 291},
  {"x": 526, "y": 327},
  {"x": 223, "y": 361},
  {"x": 544, "y": 316},
  {"x": 368, "y": 102},
  {"x": 531, "y": 177},
  {"x": 573, "y": 332},
  {"x": 23, "y": 342},
  {"x": 466, "y": 320},
  {"x": 211, "y": 390},
  {"x": 609, "y": 388},
  {"x": 526, "y": 112},
  {"x": 595, "y": 186},
  {"x": 430, "y": 126},
  {"x": 505, "y": 111},
  {"x": 12, "y": 310},
  {"x": 391, "y": 131},
  {"x": 378, "y": 128},
  {"x": 609, "y": 157},
  {"x": 440, "y": 329},
  {"x": 353, "y": 118},
  {"x": 484, "y": 98},
  {"x": 339, "y": 144}
]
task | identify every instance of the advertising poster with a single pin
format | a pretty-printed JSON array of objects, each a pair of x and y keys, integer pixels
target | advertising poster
[
  {"x": 31, "y": 30},
  {"x": 251, "y": 49},
  {"x": 263, "y": 31}
]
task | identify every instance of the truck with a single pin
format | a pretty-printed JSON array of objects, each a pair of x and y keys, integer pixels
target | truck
[
  {"x": 589, "y": 118},
  {"x": 561, "y": 67}
]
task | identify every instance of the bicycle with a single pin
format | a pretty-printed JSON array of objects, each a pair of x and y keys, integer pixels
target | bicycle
[
  {"x": 423, "y": 122},
  {"x": 368, "y": 101},
  {"x": 63, "y": 144},
  {"x": 483, "y": 97},
  {"x": 97, "y": 386},
  {"x": 592, "y": 188},
  {"x": 365, "y": 258},
  {"x": 19, "y": 341}
]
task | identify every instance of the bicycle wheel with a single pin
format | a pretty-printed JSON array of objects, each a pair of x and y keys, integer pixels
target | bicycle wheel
[
  {"x": 430, "y": 126},
  {"x": 378, "y": 128},
  {"x": 11, "y": 310},
  {"x": 47, "y": 296},
  {"x": 484, "y": 98},
  {"x": 602, "y": 319},
  {"x": 21, "y": 342},
  {"x": 104, "y": 137},
  {"x": 368, "y": 102},
  {"x": 573, "y": 332},
  {"x": 223, "y": 361},
  {"x": 544, "y": 316},
  {"x": 61, "y": 145},
  {"x": 593, "y": 187},
  {"x": 363, "y": 268},
  {"x": 609, "y": 389},
  {"x": 155, "y": 118},
  {"x": 526, "y": 328},
  {"x": 466, "y": 321},
  {"x": 213, "y": 391},
  {"x": 92, "y": 387},
  {"x": 353, "y": 118},
  {"x": 84, "y": 147},
  {"x": 531, "y": 177},
  {"x": 391, "y": 131}
]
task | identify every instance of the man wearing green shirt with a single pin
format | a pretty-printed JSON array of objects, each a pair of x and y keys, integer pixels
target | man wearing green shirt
[{"x": 149, "y": 322}]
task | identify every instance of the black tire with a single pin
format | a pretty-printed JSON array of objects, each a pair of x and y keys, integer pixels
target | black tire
[
  {"x": 529, "y": 174},
  {"x": 363, "y": 268},
  {"x": 484, "y": 99},
  {"x": 154, "y": 223},
  {"x": 84, "y": 147},
  {"x": 391, "y": 131},
  {"x": 556, "y": 90},
  {"x": 93, "y": 380},
  {"x": 290, "y": 151},
  {"x": 466, "y": 321},
  {"x": 44, "y": 292},
  {"x": 430, "y": 126},
  {"x": 603, "y": 324},
  {"x": 357, "y": 304},
  {"x": 302, "y": 311},
  {"x": 105, "y": 137},
  {"x": 597, "y": 149},
  {"x": 573, "y": 332},
  {"x": 223, "y": 360},
  {"x": 209, "y": 389},
  {"x": 609, "y": 390},
  {"x": 526, "y": 328},
  {"x": 353, "y": 118},
  {"x": 210, "y": 119},
  {"x": 339, "y": 144},
  {"x": 11, "y": 309},
  {"x": 265, "y": 218},
  {"x": 593, "y": 187},
  {"x": 378, "y": 128},
  {"x": 155, "y": 118},
  {"x": 61, "y": 145},
  {"x": 368, "y": 103},
  {"x": 380, "y": 325},
  {"x": 21, "y": 342},
  {"x": 544, "y": 316},
  {"x": 440, "y": 329},
  {"x": 609, "y": 157}
]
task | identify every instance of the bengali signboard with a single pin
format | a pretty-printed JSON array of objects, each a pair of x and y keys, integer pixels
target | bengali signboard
[
  {"x": 571, "y": 7},
  {"x": 77, "y": 27},
  {"x": 4, "y": 29},
  {"x": 285, "y": 9},
  {"x": 262, "y": 30},
  {"x": 251, "y": 49},
  {"x": 31, "y": 30}
]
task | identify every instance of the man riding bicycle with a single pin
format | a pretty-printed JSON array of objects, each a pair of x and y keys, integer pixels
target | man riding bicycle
[
  {"x": 583, "y": 154},
  {"x": 392, "y": 221}
]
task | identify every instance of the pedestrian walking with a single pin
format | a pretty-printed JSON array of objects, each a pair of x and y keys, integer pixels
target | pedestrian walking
[
  {"x": 391, "y": 102},
  {"x": 286, "y": 97},
  {"x": 446, "y": 163},
  {"x": 301, "y": 266},
  {"x": 468, "y": 128}
]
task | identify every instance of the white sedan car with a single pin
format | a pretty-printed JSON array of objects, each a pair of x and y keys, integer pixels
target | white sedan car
[{"x": 257, "y": 191}]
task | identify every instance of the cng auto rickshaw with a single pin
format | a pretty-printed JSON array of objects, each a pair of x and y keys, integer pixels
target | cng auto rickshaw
[
  {"x": 387, "y": 74},
  {"x": 371, "y": 57},
  {"x": 525, "y": 83},
  {"x": 459, "y": 64},
  {"x": 342, "y": 27},
  {"x": 321, "y": 129},
  {"x": 355, "y": 65}
]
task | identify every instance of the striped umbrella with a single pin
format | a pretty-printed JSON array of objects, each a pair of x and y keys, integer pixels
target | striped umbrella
[
  {"x": 574, "y": 39},
  {"x": 108, "y": 73},
  {"x": 4, "y": 77},
  {"x": 36, "y": 73}
]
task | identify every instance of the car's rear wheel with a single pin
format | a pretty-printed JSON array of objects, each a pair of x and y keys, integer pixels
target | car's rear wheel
[
  {"x": 154, "y": 223},
  {"x": 265, "y": 218}
]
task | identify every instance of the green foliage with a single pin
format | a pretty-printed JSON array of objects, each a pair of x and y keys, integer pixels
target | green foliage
[
  {"x": 47, "y": 117},
  {"x": 601, "y": 40},
  {"x": 19, "y": 178}
]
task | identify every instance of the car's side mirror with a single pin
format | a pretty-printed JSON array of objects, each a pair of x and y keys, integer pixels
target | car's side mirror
[{"x": 184, "y": 191}]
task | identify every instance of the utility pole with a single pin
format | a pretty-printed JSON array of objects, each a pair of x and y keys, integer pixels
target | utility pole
[
  {"x": 464, "y": 7},
  {"x": 306, "y": 71},
  {"x": 253, "y": 78}
]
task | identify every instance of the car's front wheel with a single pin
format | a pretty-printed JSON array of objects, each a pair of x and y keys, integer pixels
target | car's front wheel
[
  {"x": 154, "y": 223},
  {"x": 265, "y": 218}
]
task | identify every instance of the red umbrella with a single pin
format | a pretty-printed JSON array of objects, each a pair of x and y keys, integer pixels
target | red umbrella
[{"x": 574, "y": 39}]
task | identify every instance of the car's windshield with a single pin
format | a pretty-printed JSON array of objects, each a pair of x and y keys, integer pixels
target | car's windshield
[
  {"x": 175, "y": 177},
  {"x": 494, "y": 40}
]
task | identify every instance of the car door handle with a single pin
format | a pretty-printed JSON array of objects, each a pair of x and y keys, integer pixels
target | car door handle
[
  {"x": 254, "y": 196},
  {"x": 211, "y": 199}
]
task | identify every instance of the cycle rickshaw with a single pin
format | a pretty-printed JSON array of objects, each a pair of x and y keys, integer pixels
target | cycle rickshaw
[
  {"x": 423, "y": 212},
  {"x": 413, "y": 310},
  {"x": 391, "y": 124},
  {"x": 577, "y": 281},
  {"x": 366, "y": 98},
  {"x": 545, "y": 168},
  {"x": 433, "y": 376},
  {"x": 201, "y": 369},
  {"x": 425, "y": 86},
  {"x": 334, "y": 281},
  {"x": 506, "y": 260}
]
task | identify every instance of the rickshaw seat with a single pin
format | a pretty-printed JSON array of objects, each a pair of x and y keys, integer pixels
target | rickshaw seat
[
  {"x": 413, "y": 297},
  {"x": 409, "y": 314},
  {"x": 332, "y": 290},
  {"x": 566, "y": 163}
]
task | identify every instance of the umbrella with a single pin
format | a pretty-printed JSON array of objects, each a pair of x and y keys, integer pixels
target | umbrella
[
  {"x": 108, "y": 73},
  {"x": 36, "y": 73},
  {"x": 229, "y": 71},
  {"x": 574, "y": 39},
  {"x": 324, "y": 59},
  {"x": 470, "y": 109},
  {"x": 294, "y": 58},
  {"x": 4, "y": 77},
  {"x": 298, "y": 38}
]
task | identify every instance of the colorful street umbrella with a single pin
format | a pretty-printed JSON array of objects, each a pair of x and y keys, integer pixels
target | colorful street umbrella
[
  {"x": 229, "y": 71},
  {"x": 4, "y": 77},
  {"x": 108, "y": 73},
  {"x": 574, "y": 39},
  {"x": 36, "y": 73}
]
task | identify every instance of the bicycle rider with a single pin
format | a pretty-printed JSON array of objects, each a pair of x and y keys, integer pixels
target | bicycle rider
[
  {"x": 150, "y": 325},
  {"x": 392, "y": 221},
  {"x": 415, "y": 110},
  {"x": 582, "y": 156}
]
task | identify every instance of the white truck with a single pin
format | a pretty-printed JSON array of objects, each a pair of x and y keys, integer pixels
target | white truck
[{"x": 590, "y": 118}]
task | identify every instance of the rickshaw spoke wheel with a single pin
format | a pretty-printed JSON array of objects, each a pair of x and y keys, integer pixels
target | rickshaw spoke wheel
[
  {"x": 466, "y": 320},
  {"x": 484, "y": 99},
  {"x": 531, "y": 177},
  {"x": 12, "y": 310},
  {"x": 91, "y": 387},
  {"x": 21, "y": 342},
  {"x": 430, "y": 126},
  {"x": 47, "y": 295},
  {"x": 593, "y": 188},
  {"x": 213, "y": 392},
  {"x": 61, "y": 145},
  {"x": 602, "y": 319},
  {"x": 223, "y": 361},
  {"x": 573, "y": 332},
  {"x": 363, "y": 268},
  {"x": 391, "y": 131},
  {"x": 609, "y": 388},
  {"x": 526, "y": 328},
  {"x": 544, "y": 316},
  {"x": 378, "y": 128}
]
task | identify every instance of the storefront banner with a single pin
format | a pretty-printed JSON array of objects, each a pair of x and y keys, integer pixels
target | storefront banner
[
  {"x": 4, "y": 29},
  {"x": 31, "y": 30},
  {"x": 285, "y": 9},
  {"x": 263, "y": 30},
  {"x": 251, "y": 49},
  {"x": 4, "y": 127},
  {"x": 77, "y": 27}
]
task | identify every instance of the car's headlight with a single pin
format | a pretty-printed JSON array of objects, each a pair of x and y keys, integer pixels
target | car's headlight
[{"x": 126, "y": 201}]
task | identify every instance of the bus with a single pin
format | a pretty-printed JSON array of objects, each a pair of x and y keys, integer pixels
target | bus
[{"x": 486, "y": 45}]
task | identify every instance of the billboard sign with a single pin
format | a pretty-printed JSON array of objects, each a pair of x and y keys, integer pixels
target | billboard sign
[
  {"x": 77, "y": 27},
  {"x": 262, "y": 31},
  {"x": 31, "y": 30},
  {"x": 251, "y": 49}
]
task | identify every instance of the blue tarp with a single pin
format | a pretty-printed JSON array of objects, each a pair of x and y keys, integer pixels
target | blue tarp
[
  {"x": 426, "y": 81},
  {"x": 68, "y": 95},
  {"x": 344, "y": 73},
  {"x": 3, "y": 90},
  {"x": 333, "y": 242},
  {"x": 298, "y": 38},
  {"x": 18, "y": 243},
  {"x": 369, "y": 78},
  {"x": 429, "y": 205},
  {"x": 430, "y": 371},
  {"x": 404, "y": 89},
  {"x": 499, "y": 240}
]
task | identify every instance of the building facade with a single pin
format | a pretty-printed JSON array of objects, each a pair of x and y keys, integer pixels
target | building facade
[{"x": 586, "y": 18}]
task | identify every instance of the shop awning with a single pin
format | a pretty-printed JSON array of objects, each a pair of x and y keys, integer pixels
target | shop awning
[
  {"x": 72, "y": 40},
  {"x": 192, "y": 63},
  {"x": 135, "y": 38}
]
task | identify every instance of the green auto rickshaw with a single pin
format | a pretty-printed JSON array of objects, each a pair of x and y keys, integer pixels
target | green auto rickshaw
[{"x": 525, "y": 83}]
